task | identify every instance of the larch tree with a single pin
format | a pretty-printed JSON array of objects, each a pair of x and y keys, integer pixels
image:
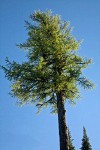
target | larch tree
[
  {"x": 85, "y": 141},
  {"x": 53, "y": 71}
]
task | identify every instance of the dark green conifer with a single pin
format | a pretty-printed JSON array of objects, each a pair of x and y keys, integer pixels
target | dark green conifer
[
  {"x": 71, "y": 147},
  {"x": 85, "y": 141}
]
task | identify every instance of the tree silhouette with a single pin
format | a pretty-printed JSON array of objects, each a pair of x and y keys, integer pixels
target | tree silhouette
[
  {"x": 71, "y": 147},
  {"x": 85, "y": 141}
]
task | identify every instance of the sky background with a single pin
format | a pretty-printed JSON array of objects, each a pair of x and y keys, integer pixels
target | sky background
[{"x": 20, "y": 127}]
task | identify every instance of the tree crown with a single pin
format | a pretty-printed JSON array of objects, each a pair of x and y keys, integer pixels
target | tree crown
[{"x": 53, "y": 63}]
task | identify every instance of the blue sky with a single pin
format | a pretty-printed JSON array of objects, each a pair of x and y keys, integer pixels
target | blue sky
[{"x": 21, "y": 128}]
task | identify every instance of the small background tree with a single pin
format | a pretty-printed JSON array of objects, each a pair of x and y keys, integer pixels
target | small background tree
[
  {"x": 85, "y": 141},
  {"x": 71, "y": 147}
]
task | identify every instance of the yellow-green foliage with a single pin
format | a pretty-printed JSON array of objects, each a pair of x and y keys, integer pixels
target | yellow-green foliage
[{"x": 53, "y": 64}]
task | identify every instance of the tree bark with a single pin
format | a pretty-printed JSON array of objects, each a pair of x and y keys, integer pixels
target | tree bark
[{"x": 63, "y": 131}]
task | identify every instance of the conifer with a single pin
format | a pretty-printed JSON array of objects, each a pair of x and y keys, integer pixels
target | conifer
[
  {"x": 52, "y": 73},
  {"x": 71, "y": 147},
  {"x": 85, "y": 141}
]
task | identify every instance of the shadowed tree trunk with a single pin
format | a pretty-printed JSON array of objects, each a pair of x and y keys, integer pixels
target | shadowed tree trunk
[{"x": 63, "y": 131}]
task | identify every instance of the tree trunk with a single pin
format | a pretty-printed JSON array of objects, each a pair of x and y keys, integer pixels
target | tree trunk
[{"x": 63, "y": 131}]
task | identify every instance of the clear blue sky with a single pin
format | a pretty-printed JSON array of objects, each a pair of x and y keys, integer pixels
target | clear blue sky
[{"x": 21, "y": 128}]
